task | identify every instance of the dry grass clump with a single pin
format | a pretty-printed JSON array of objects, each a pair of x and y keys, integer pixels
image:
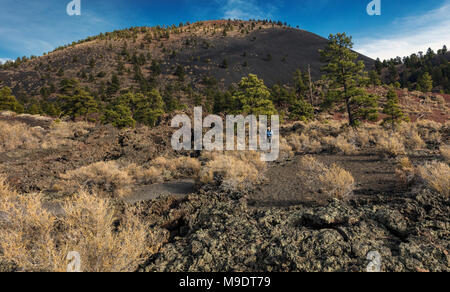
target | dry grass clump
[
  {"x": 35, "y": 240},
  {"x": 411, "y": 137},
  {"x": 286, "y": 150},
  {"x": 143, "y": 175},
  {"x": 115, "y": 178},
  {"x": 303, "y": 143},
  {"x": 105, "y": 178},
  {"x": 430, "y": 131},
  {"x": 180, "y": 167},
  {"x": 437, "y": 176},
  {"x": 341, "y": 144},
  {"x": 19, "y": 136},
  {"x": 63, "y": 133},
  {"x": 390, "y": 144},
  {"x": 16, "y": 135},
  {"x": 445, "y": 152},
  {"x": 235, "y": 171},
  {"x": 405, "y": 170},
  {"x": 327, "y": 182}
]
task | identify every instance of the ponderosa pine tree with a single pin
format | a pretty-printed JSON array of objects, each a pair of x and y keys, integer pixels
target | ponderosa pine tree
[
  {"x": 346, "y": 76},
  {"x": 150, "y": 108},
  {"x": 374, "y": 78},
  {"x": 392, "y": 109},
  {"x": 253, "y": 97},
  {"x": 80, "y": 104},
  {"x": 119, "y": 116},
  {"x": 9, "y": 101},
  {"x": 425, "y": 83},
  {"x": 301, "y": 110},
  {"x": 299, "y": 84}
]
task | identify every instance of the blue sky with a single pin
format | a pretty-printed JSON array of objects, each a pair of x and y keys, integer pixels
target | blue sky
[{"x": 33, "y": 27}]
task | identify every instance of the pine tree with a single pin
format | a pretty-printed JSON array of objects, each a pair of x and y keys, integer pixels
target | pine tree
[
  {"x": 425, "y": 83},
  {"x": 374, "y": 78},
  {"x": 253, "y": 97},
  {"x": 119, "y": 116},
  {"x": 149, "y": 108},
  {"x": 299, "y": 84},
  {"x": 301, "y": 110},
  {"x": 346, "y": 75},
  {"x": 180, "y": 72},
  {"x": 393, "y": 111},
  {"x": 9, "y": 101},
  {"x": 81, "y": 104}
]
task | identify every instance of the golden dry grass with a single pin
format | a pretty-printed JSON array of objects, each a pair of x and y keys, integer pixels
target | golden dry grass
[
  {"x": 33, "y": 239},
  {"x": 116, "y": 179},
  {"x": 17, "y": 135},
  {"x": 105, "y": 178},
  {"x": 180, "y": 167},
  {"x": 327, "y": 182},
  {"x": 445, "y": 152},
  {"x": 437, "y": 176},
  {"x": 236, "y": 171},
  {"x": 390, "y": 144},
  {"x": 405, "y": 170}
]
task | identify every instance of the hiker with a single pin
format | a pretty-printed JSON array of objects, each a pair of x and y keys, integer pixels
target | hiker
[{"x": 269, "y": 134}]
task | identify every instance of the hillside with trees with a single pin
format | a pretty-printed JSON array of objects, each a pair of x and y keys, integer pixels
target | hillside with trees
[{"x": 422, "y": 72}]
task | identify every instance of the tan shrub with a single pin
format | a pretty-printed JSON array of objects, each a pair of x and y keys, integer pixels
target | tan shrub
[
  {"x": 390, "y": 145},
  {"x": 303, "y": 143},
  {"x": 405, "y": 170},
  {"x": 445, "y": 152},
  {"x": 143, "y": 175},
  {"x": 286, "y": 150},
  {"x": 15, "y": 135},
  {"x": 18, "y": 136},
  {"x": 344, "y": 146},
  {"x": 411, "y": 137},
  {"x": 327, "y": 182},
  {"x": 234, "y": 171},
  {"x": 437, "y": 176},
  {"x": 105, "y": 178},
  {"x": 35, "y": 240},
  {"x": 181, "y": 167},
  {"x": 89, "y": 228},
  {"x": 429, "y": 131}
]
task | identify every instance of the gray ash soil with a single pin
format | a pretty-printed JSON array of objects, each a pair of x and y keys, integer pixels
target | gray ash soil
[{"x": 283, "y": 187}]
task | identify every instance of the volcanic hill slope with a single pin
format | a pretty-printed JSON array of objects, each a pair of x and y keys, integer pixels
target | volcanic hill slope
[{"x": 225, "y": 50}]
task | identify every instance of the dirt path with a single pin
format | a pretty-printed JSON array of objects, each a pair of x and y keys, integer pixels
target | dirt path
[
  {"x": 179, "y": 188},
  {"x": 373, "y": 176}
]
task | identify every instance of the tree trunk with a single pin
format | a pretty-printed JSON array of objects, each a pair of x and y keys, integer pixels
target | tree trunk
[
  {"x": 310, "y": 86},
  {"x": 347, "y": 103}
]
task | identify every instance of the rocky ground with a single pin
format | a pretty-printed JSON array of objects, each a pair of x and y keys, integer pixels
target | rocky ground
[{"x": 218, "y": 232}]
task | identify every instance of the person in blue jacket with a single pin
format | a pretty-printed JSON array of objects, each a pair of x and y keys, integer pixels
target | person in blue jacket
[{"x": 269, "y": 134}]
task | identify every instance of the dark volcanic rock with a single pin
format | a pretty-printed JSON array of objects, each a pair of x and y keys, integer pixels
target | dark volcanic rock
[{"x": 226, "y": 235}]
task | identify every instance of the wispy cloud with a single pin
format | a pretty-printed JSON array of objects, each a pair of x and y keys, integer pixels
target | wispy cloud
[
  {"x": 32, "y": 28},
  {"x": 412, "y": 34},
  {"x": 247, "y": 9}
]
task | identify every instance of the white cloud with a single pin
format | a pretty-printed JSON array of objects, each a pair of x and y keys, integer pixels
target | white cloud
[
  {"x": 412, "y": 34},
  {"x": 4, "y": 60},
  {"x": 247, "y": 9}
]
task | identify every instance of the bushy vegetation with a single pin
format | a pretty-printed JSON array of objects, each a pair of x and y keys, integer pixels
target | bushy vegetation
[
  {"x": 327, "y": 182},
  {"x": 422, "y": 71},
  {"x": 35, "y": 240}
]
